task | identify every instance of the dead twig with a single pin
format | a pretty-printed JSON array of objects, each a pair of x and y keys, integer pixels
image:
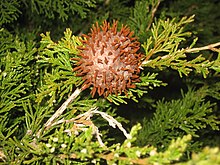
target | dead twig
[
  {"x": 84, "y": 119},
  {"x": 211, "y": 47},
  {"x": 207, "y": 47},
  {"x": 152, "y": 15},
  {"x": 62, "y": 108}
]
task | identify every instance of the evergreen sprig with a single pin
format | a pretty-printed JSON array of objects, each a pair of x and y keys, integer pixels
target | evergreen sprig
[
  {"x": 207, "y": 156},
  {"x": 16, "y": 81},
  {"x": 178, "y": 117},
  {"x": 71, "y": 144},
  {"x": 142, "y": 17},
  {"x": 61, "y": 8},
  {"x": 173, "y": 153},
  {"x": 163, "y": 47},
  {"x": 36, "y": 80},
  {"x": 55, "y": 65},
  {"x": 216, "y": 64},
  {"x": 9, "y": 11},
  {"x": 148, "y": 82}
]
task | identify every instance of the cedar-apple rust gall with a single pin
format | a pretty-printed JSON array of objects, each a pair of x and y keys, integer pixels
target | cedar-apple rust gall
[{"x": 108, "y": 60}]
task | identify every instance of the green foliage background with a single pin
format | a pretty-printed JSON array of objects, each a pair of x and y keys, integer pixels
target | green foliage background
[{"x": 172, "y": 116}]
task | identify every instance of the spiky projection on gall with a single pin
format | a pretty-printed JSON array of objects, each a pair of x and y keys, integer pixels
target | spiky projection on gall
[{"x": 108, "y": 60}]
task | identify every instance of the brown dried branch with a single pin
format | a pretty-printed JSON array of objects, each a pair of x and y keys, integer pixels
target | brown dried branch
[
  {"x": 152, "y": 15},
  {"x": 188, "y": 50},
  {"x": 208, "y": 47}
]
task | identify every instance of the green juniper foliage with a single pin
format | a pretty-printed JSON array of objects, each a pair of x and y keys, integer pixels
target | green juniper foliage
[
  {"x": 205, "y": 25},
  {"x": 46, "y": 118},
  {"x": 188, "y": 115}
]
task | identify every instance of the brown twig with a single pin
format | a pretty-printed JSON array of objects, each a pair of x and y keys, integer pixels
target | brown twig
[
  {"x": 188, "y": 50},
  {"x": 152, "y": 15},
  {"x": 207, "y": 47}
]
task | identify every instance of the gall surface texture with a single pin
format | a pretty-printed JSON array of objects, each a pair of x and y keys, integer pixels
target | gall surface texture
[{"x": 108, "y": 60}]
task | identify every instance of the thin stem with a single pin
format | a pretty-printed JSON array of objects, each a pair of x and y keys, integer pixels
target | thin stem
[
  {"x": 207, "y": 47},
  {"x": 187, "y": 50},
  {"x": 113, "y": 122},
  {"x": 152, "y": 15},
  {"x": 85, "y": 120},
  {"x": 62, "y": 108}
]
